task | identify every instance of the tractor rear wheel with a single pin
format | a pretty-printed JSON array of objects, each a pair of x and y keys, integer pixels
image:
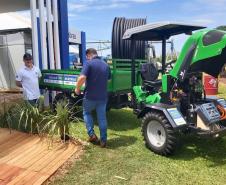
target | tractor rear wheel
[{"x": 158, "y": 134}]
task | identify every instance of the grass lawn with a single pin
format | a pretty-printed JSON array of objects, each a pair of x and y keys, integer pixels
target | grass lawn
[
  {"x": 127, "y": 161},
  {"x": 222, "y": 90}
]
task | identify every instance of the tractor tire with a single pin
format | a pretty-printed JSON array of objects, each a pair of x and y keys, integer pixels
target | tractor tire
[{"x": 158, "y": 134}]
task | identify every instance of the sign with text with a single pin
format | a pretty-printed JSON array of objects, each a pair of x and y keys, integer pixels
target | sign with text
[{"x": 74, "y": 37}]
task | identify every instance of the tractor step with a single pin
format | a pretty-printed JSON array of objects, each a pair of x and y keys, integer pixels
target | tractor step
[{"x": 207, "y": 133}]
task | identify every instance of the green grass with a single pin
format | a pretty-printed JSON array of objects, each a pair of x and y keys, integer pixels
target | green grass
[
  {"x": 196, "y": 161},
  {"x": 222, "y": 90}
]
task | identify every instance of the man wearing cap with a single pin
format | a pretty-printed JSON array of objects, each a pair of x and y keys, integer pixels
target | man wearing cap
[{"x": 27, "y": 78}]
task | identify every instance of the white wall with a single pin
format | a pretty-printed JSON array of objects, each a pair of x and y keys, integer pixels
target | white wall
[{"x": 12, "y": 50}]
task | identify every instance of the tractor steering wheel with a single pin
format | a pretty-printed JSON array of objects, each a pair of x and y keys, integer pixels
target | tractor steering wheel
[{"x": 170, "y": 64}]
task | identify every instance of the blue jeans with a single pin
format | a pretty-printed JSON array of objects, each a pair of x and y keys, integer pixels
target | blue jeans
[{"x": 100, "y": 107}]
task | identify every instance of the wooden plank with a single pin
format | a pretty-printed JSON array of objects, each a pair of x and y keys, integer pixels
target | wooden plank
[
  {"x": 5, "y": 132},
  {"x": 8, "y": 137},
  {"x": 20, "y": 178},
  {"x": 38, "y": 178},
  {"x": 28, "y": 155},
  {"x": 18, "y": 151},
  {"x": 17, "y": 146},
  {"x": 2, "y": 182},
  {"x": 8, "y": 142},
  {"x": 41, "y": 180},
  {"x": 3, "y": 167},
  {"x": 27, "y": 159},
  {"x": 9, "y": 146},
  {"x": 48, "y": 158},
  {"x": 34, "y": 157},
  {"x": 22, "y": 155},
  {"x": 59, "y": 160},
  {"x": 11, "y": 174},
  {"x": 53, "y": 166},
  {"x": 26, "y": 179}
]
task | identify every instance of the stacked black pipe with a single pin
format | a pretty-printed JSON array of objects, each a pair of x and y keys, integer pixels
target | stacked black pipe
[{"x": 121, "y": 48}]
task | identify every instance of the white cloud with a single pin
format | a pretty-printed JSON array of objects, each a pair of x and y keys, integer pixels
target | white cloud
[
  {"x": 72, "y": 15},
  {"x": 215, "y": 3},
  {"x": 135, "y": 1},
  {"x": 84, "y": 5},
  {"x": 207, "y": 12},
  {"x": 91, "y": 6},
  {"x": 204, "y": 21}
]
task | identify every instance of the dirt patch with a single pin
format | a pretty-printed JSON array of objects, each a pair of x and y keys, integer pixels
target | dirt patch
[{"x": 8, "y": 99}]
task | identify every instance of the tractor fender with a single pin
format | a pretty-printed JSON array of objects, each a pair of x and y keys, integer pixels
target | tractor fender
[{"x": 164, "y": 108}]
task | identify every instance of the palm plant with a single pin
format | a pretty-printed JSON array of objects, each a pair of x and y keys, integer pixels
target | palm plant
[
  {"x": 28, "y": 118},
  {"x": 57, "y": 123},
  {"x": 24, "y": 117}
]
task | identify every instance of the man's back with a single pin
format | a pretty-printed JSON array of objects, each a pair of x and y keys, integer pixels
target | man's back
[{"x": 97, "y": 73}]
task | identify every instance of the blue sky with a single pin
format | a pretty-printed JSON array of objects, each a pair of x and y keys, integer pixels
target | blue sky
[{"x": 95, "y": 17}]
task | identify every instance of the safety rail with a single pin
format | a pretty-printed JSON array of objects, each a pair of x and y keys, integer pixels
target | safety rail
[{"x": 125, "y": 64}]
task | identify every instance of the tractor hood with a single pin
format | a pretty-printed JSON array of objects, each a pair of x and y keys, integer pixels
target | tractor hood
[
  {"x": 210, "y": 55},
  {"x": 212, "y": 66},
  {"x": 204, "y": 51}
]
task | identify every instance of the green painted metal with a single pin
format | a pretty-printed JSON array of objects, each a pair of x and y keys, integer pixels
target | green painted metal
[
  {"x": 142, "y": 96},
  {"x": 139, "y": 94},
  {"x": 202, "y": 52},
  {"x": 164, "y": 83},
  {"x": 120, "y": 72},
  {"x": 155, "y": 98}
]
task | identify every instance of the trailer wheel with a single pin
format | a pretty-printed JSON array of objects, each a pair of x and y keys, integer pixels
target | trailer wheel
[
  {"x": 58, "y": 98},
  {"x": 158, "y": 134}
]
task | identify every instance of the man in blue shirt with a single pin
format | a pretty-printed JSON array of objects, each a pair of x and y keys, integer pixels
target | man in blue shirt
[{"x": 95, "y": 75}]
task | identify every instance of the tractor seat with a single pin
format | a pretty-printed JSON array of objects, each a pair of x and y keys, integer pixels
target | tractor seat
[
  {"x": 149, "y": 75},
  {"x": 156, "y": 83}
]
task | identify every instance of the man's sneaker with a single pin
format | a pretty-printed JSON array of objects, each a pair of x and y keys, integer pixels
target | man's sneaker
[
  {"x": 103, "y": 144},
  {"x": 93, "y": 139}
]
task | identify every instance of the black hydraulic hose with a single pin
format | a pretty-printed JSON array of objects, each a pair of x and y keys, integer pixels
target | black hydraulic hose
[
  {"x": 122, "y": 48},
  {"x": 112, "y": 38}
]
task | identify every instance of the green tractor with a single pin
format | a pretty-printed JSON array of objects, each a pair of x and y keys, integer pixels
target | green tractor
[
  {"x": 173, "y": 104},
  {"x": 177, "y": 102}
]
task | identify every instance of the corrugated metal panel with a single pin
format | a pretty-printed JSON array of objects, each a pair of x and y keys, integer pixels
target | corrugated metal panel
[
  {"x": 156, "y": 31},
  {"x": 11, "y": 58}
]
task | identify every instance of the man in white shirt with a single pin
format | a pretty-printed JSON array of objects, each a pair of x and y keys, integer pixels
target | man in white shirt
[{"x": 27, "y": 78}]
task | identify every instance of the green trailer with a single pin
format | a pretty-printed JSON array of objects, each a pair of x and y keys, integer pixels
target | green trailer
[{"x": 119, "y": 87}]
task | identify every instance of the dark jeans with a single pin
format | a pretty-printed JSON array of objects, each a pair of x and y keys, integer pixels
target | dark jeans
[
  {"x": 34, "y": 102},
  {"x": 100, "y": 107}
]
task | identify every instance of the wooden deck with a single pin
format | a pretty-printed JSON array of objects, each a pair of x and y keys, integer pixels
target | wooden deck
[{"x": 26, "y": 159}]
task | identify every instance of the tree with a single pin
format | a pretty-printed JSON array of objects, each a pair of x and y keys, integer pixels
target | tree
[{"x": 223, "y": 27}]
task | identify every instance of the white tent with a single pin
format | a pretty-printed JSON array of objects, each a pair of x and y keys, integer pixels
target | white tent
[
  {"x": 11, "y": 21},
  {"x": 15, "y": 40},
  {"x": 14, "y": 5}
]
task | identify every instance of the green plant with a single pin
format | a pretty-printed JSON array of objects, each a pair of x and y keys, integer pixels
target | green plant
[
  {"x": 24, "y": 117},
  {"x": 59, "y": 122},
  {"x": 27, "y": 118}
]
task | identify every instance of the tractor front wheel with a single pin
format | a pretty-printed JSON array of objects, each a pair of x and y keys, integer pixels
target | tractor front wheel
[{"x": 158, "y": 134}]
